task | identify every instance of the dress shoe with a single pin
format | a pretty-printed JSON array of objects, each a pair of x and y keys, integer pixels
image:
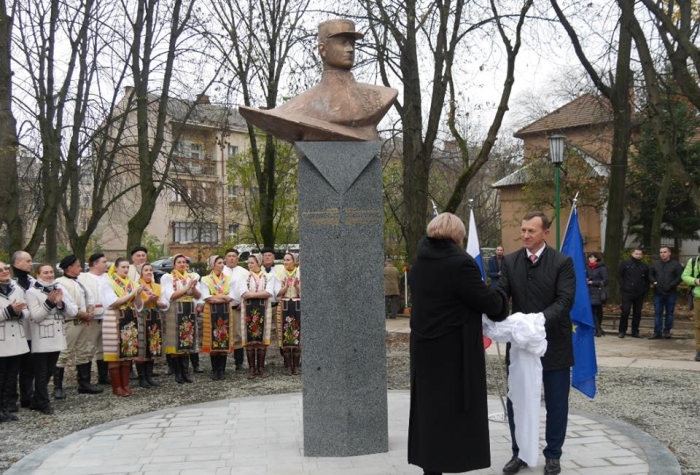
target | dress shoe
[
  {"x": 4, "y": 417},
  {"x": 12, "y": 408},
  {"x": 697, "y": 356},
  {"x": 621, "y": 335},
  {"x": 552, "y": 467},
  {"x": 514, "y": 465},
  {"x": 634, "y": 335},
  {"x": 655, "y": 336},
  {"x": 667, "y": 334}
]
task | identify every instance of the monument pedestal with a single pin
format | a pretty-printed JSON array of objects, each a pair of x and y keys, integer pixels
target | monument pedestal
[{"x": 343, "y": 329}]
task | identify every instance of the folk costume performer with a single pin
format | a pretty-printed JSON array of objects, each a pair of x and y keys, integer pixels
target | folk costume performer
[
  {"x": 120, "y": 327},
  {"x": 218, "y": 337},
  {"x": 180, "y": 289}
]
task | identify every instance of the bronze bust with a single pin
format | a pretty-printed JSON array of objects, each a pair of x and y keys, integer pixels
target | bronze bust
[{"x": 336, "y": 109}]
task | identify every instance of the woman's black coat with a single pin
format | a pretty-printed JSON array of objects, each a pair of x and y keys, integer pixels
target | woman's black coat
[
  {"x": 599, "y": 278},
  {"x": 448, "y": 426}
]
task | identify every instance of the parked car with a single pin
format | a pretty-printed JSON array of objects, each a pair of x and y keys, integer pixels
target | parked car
[{"x": 164, "y": 266}]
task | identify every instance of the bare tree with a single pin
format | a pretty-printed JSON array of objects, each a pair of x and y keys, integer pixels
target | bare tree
[
  {"x": 9, "y": 198},
  {"x": 399, "y": 30},
  {"x": 159, "y": 34},
  {"x": 679, "y": 26},
  {"x": 617, "y": 91},
  {"x": 472, "y": 167},
  {"x": 258, "y": 45}
]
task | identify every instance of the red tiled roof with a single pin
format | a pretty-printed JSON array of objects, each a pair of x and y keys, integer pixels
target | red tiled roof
[{"x": 585, "y": 110}]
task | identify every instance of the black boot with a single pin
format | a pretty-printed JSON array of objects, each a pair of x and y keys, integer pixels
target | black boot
[
  {"x": 238, "y": 358},
  {"x": 287, "y": 355},
  {"x": 169, "y": 360},
  {"x": 296, "y": 358},
  {"x": 176, "y": 365},
  {"x": 214, "y": 357},
  {"x": 222, "y": 366},
  {"x": 185, "y": 366},
  {"x": 194, "y": 358},
  {"x": 58, "y": 392},
  {"x": 141, "y": 370},
  {"x": 84, "y": 386},
  {"x": 149, "y": 373},
  {"x": 103, "y": 372}
]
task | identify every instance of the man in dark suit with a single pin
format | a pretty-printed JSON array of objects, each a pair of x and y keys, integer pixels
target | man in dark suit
[
  {"x": 494, "y": 270},
  {"x": 540, "y": 279}
]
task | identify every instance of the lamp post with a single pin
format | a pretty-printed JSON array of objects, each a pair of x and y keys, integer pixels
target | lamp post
[{"x": 556, "y": 154}]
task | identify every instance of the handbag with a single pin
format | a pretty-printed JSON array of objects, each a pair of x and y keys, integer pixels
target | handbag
[{"x": 603, "y": 294}]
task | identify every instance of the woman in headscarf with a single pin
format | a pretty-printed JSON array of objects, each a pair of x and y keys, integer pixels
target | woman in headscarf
[
  {"x": 150, "y": 326},
  {"x": 180, "y": 289},
  {"x": 122, "y": 300},
  {"x": 448, "y": 428},
  {"x": 13, "y": 311},
  {"x": 49, "y": 306},
  {"x": 217, "y": 294},
  {"x": 256, "y": 313},
  {"x": 289, "y": 314}
]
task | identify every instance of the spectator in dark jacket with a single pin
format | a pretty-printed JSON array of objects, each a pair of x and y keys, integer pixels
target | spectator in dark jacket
[
  {"x": 633, "y": 277},
  {"x": 541, "y": 279},
  {"x": 665, "y": 275},
  {"x": 597, "y": 275},
  {"x": 494, "y": 268}
]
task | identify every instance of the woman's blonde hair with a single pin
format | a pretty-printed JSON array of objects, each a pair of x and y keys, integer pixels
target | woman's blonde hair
[{"x": 447, "y": 226}]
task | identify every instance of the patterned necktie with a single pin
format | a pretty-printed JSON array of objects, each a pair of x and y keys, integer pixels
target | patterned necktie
[{"x": 533, "y": 258}]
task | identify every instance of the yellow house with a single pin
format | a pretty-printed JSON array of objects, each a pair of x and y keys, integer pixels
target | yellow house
[{"x": 587, "y": 124}]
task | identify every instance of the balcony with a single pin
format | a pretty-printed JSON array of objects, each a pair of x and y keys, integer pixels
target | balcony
[{"x": 195, "y": 167}]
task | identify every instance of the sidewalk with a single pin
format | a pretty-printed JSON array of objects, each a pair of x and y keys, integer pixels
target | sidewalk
[{"x": 263, "y": 435}]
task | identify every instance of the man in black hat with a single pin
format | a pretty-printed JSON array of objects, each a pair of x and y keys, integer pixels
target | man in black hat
[
  {"x": 76, "y": 330},
  {"x": 139, "y": 256}
]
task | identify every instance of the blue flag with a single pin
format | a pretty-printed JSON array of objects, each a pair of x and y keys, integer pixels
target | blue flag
[
  {"x": 473, "y": 248},
  {"x": 586, "y": 366}
]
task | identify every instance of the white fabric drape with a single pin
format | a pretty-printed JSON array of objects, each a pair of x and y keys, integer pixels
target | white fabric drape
[{"x": 527, "y": 337}]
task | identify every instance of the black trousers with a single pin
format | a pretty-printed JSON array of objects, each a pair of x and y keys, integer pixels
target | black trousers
[
  {"x": 44, "y": 366},
  {"x": 26, "y": 380},
  {"x": 9, "y": 368},
  {"x": 635, "y": 304}
]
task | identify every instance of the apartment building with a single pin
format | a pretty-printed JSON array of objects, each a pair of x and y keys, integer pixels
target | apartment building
[{"x": 197, "y": 209}]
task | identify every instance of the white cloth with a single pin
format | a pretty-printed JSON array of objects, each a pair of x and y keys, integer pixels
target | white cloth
[{"x": 527, "y": 337}]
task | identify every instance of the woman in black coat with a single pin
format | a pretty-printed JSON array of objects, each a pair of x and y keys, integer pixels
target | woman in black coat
[
  {"x": 448, "y": 426},
  {"x": 597, "y": 275}
]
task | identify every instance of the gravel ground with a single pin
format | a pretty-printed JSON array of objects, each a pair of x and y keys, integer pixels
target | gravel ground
[{"x": 664, "y": 403}]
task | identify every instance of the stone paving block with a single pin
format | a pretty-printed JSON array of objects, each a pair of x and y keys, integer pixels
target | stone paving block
[
  {"x": 627, "y": 460},
  {"x": 586, "y": 440},
  {"x": 624, "y": 470},
  {"x": 171, "y": 458},
  {"x": 210, "y": 464}
]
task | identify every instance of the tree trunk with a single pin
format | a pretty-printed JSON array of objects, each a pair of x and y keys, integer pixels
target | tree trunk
[
  {"x": 657, "y": 221},
  {"x": 622, "y": 118},
  {"x": 9, "y": 198}
]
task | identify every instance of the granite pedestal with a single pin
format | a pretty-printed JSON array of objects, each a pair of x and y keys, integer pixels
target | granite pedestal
[{"x": 343, "y": 350}]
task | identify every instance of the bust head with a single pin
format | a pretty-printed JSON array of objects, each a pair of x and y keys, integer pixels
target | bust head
[{"x": 336, "y": 44}]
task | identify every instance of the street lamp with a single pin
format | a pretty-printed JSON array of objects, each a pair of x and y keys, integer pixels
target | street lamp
[{"x": 556, "y": 154}]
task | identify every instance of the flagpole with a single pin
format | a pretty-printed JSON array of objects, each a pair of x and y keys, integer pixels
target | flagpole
[{"x": 573, "y": 208}]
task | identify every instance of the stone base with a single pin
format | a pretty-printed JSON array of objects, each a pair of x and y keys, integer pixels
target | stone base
[{"x": 344, "y": 350}]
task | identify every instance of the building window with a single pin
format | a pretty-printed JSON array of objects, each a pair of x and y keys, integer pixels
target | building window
[
  {"x": 232, "y": 151},
  {"x": 232, "y": 192},
  {"x": 185, "y": 148},
  {"x": 233, "y": 229},
  {"x": 186, "y": 232}
]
